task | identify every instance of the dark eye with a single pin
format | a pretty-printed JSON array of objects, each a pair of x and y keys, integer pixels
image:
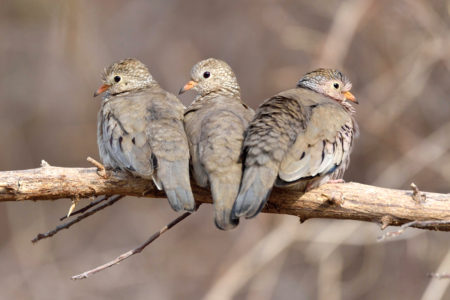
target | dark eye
[
  {"x": 117, "y": 78},
  {"x": 206, "y": 74},
  {"x": 336, "y": 85}
]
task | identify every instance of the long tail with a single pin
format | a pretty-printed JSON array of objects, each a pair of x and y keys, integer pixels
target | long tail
[
  {"x": 224, "y": 195},
  {"x": 173, "y": 176},
  {"x": 257, "y": 183},
  {"x": 266, "y": 142}
]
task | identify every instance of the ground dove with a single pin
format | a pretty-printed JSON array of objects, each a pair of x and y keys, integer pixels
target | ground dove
[
  {"x": 140, "y": 130},
  {"x": 299, "y": 138},
  {"x": 215, "y": 123}
]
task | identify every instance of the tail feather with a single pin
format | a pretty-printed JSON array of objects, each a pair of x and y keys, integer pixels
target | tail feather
[
  {"x": 255, "y": 190},
  {"x": 174, "y": 178},
  {"x": 224, "y": 195}
]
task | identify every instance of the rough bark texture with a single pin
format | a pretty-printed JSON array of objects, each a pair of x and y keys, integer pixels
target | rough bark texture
[{"x": 340, "y": 201}]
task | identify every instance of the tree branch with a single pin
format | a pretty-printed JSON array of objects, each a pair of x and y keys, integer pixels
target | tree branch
[{"x": 339, "y": 201}]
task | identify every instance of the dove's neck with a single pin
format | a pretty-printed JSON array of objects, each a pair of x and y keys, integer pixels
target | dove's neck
[
  {"x": 348, "y": 107},
  {"x": 208, "y": 97}
]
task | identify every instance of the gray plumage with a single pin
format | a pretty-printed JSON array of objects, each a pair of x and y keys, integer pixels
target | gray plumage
[
  {"x": 140, "y": 130},
  {"x": 215, "y": 123},
  {"x": 299, "y": 138}
]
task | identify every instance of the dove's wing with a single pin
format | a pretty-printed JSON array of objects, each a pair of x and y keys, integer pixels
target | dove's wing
[
  {"x": 124, "y": 143},
  {"x": 321, "y": 148},
  {"x": 216, "y": 131}
]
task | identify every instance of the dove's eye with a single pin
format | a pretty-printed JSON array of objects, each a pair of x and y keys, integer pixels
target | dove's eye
[
  {"x": 206, "y": 74},
  {"x": 117, "y": 78},
  {"x": 336, "y": 85}
]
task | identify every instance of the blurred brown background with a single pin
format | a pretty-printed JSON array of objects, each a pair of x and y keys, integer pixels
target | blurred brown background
[{"x": 397, "y": 55}]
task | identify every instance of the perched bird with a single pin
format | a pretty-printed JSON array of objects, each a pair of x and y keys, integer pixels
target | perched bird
[
  {"x": 140, "y": 130},
  {"x": 215, "y": 123},
  {"x": 299, "y": 138}
]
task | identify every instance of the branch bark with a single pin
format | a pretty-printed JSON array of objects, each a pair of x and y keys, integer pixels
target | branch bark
[{"x": 339, "y": 201}]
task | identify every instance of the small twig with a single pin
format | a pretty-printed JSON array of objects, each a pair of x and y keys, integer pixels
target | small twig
[
  {"x": 95, "y": 163},
  {"x": 423, "y": 224},
  {"x": 75, "y": 201},
  {"x": 48, "y": 234},
  {"x": 439, "y": 275},
  {"x": 134, "y": 251},
  {"x": 85, "y": 208},
  {"x": 100, "y": 168},
  {"x": 417, "y": 195},
  {"x": 44, "y": 164}
]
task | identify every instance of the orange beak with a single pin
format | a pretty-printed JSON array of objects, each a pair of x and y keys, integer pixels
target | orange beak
[
  {"x": 350, "y": 97},
  {"x": 187, "y": 87},
  {"x": 101, "y": 89}
]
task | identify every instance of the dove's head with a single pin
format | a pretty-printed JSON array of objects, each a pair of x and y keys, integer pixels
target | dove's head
[
  {"x": 329, "y": 82},
  {"x": 212, "y": 76},
  {"x": 124, "y": 76}
]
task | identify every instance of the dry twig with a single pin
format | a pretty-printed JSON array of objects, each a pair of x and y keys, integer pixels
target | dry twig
[
  {"x": 418, "y": 224},
  {"x": 135, "y": 250},
  {"x": 100, "y": 167},
  {"x": 74, "y": 203},
  {"x": 436, "y": 287},
  {"x": 417, "y": 195},
  {"x": 439, "y": 275},
  {"x": 58, "y": 228},
  {"x": 85, "y": 208}
]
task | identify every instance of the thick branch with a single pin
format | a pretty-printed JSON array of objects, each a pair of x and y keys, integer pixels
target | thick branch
[{"x": 340, "y": 201}]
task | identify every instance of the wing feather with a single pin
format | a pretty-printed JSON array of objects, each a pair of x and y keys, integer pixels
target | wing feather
[{"x": 321, "y": 147}]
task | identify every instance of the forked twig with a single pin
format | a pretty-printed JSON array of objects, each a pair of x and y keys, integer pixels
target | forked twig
[
  {"x": 48, "y": 234},
  {"x": 85, "y": 208},
  {"x": 135, "y": 250},
  {"x": 398, "y": 232}
]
